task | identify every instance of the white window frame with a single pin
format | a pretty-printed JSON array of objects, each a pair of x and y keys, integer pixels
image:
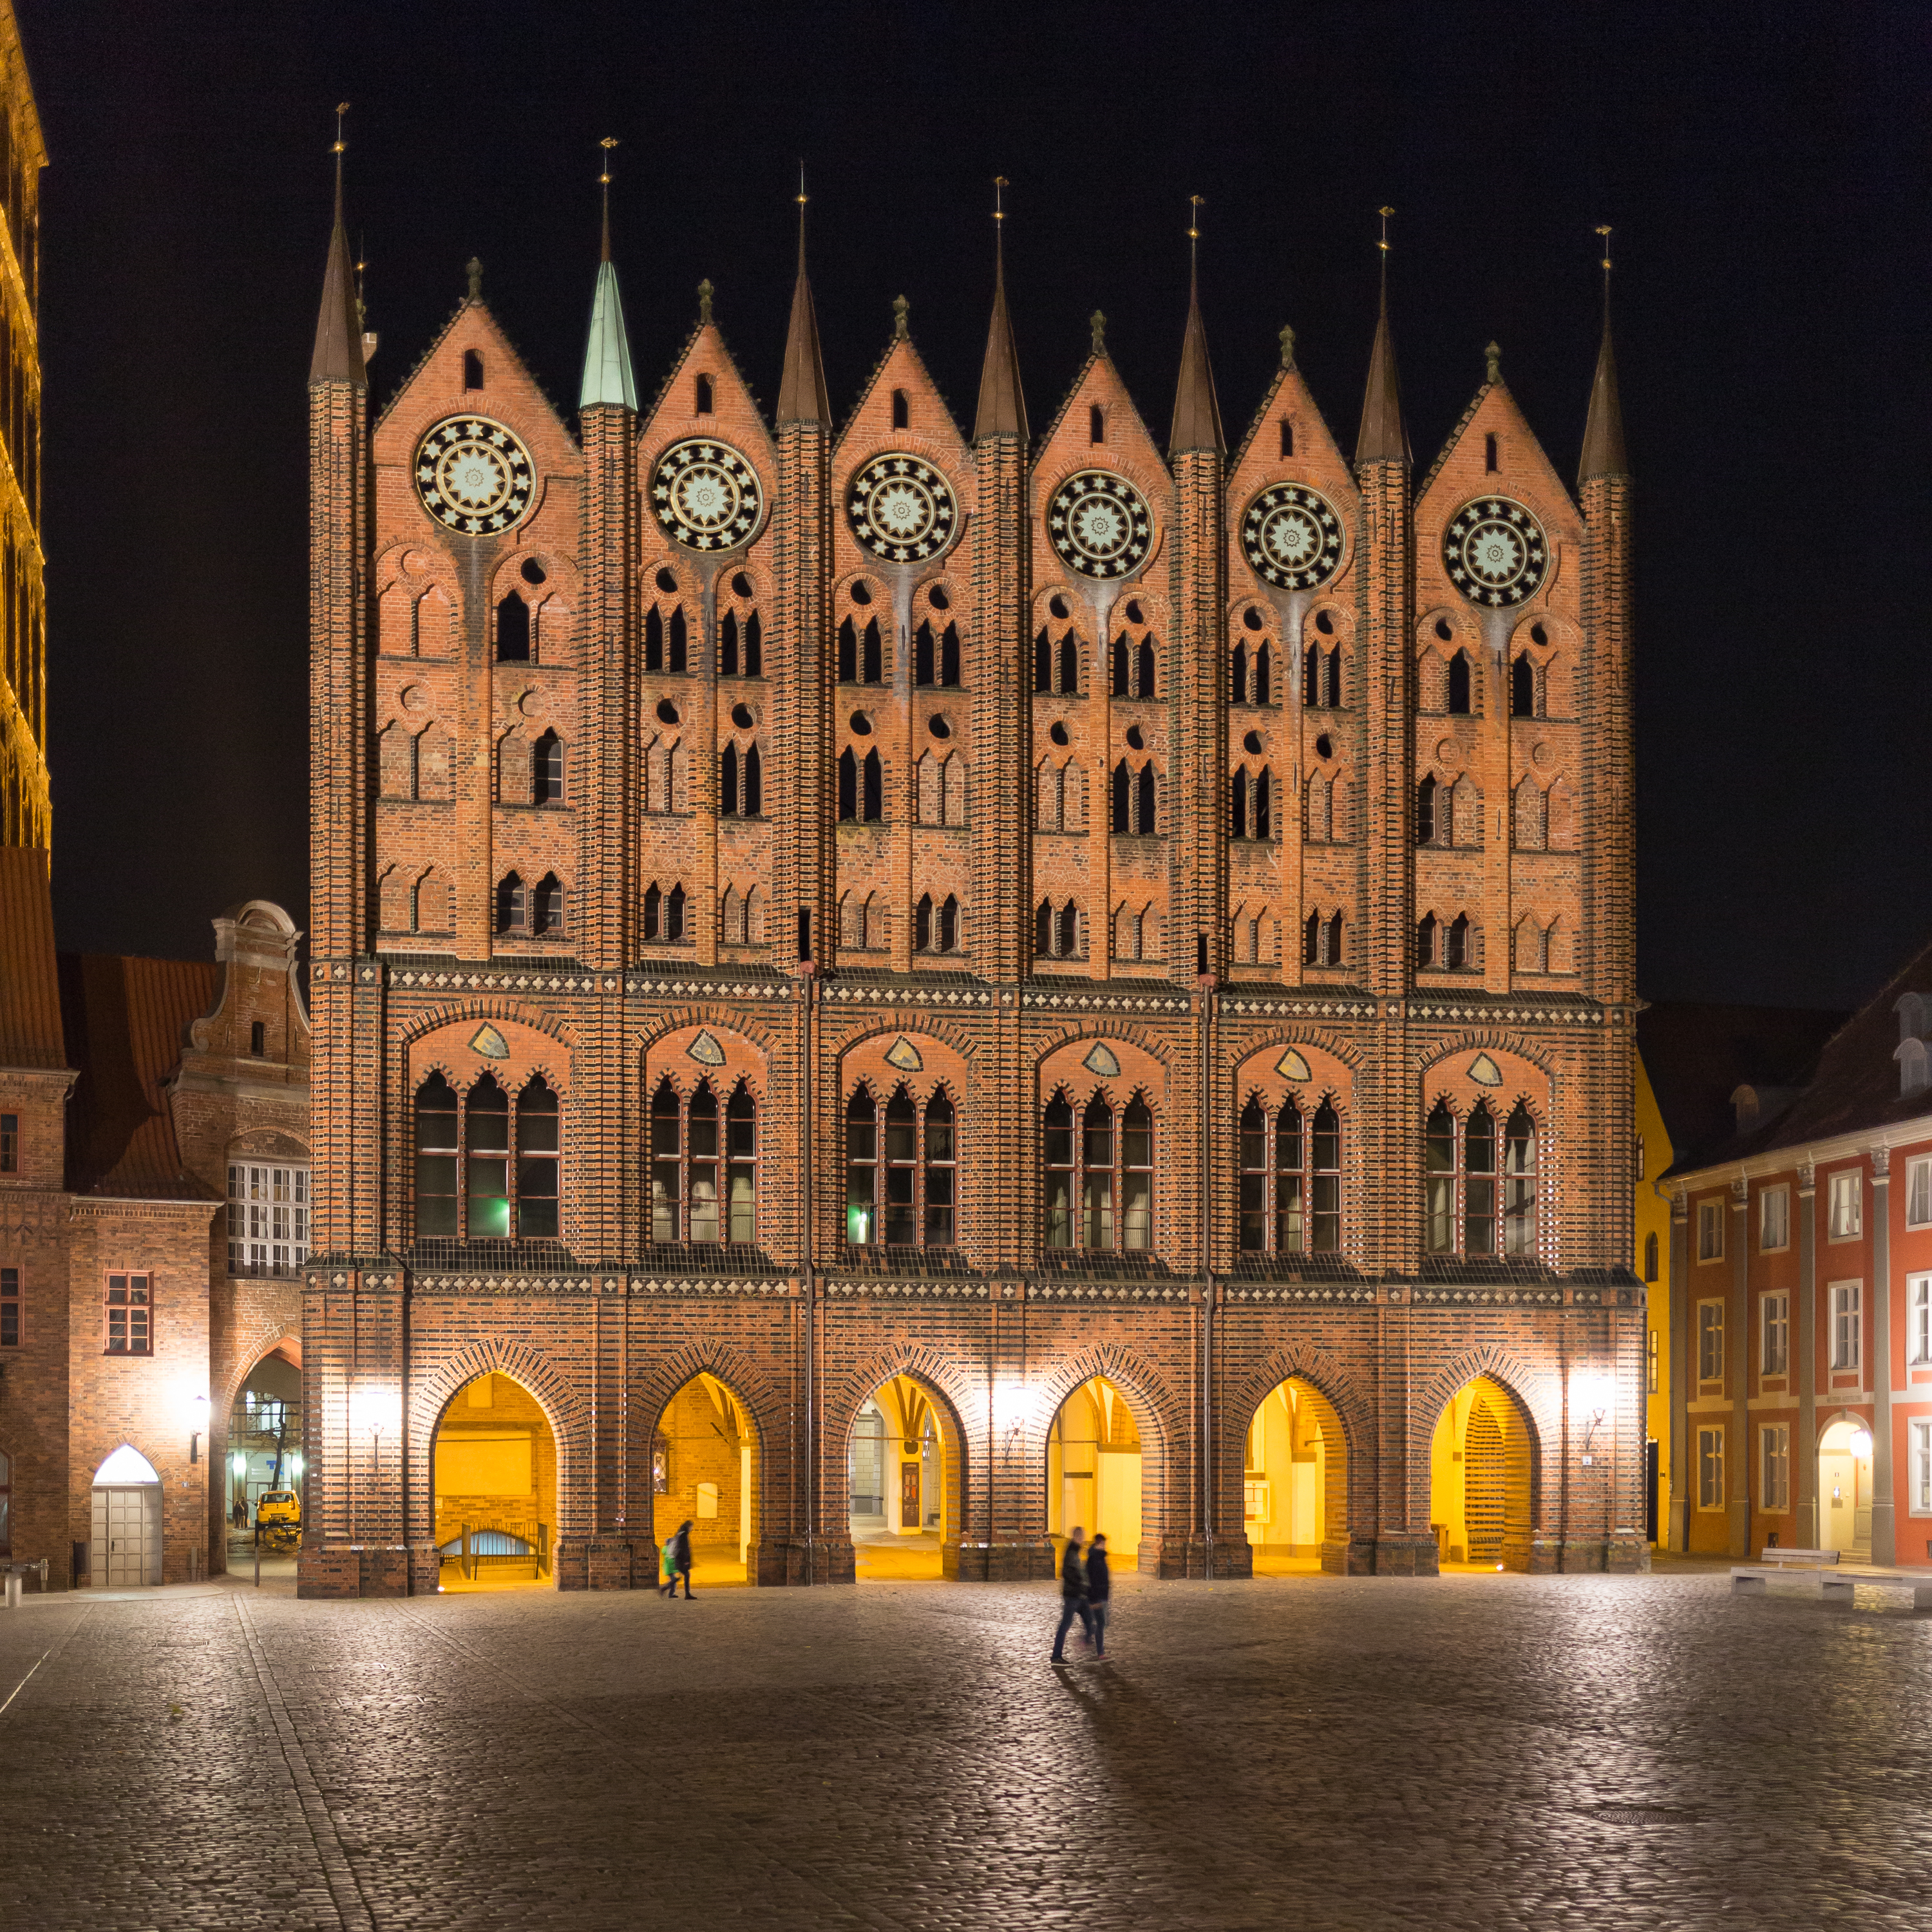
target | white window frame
[
  {"x": 1773, "y": 1204},
  {"x": 1710, "y": 1469},
  {"x": 1921, "y": 1502},
  {"x": 1919, "y": 1317},
  {"x": 1918, "y": 1191},
  {"x": 268, "y": 1216},
  {"x": 1707, "y": 1330},
  {"x": 1710, "y": 1231},
  {"x": 1775, "y": 1467},
  {"x": 1774, "y": 1334},
  {"x": 1847, "y": 1209},
  {"x": 1847, "y": 1326}
]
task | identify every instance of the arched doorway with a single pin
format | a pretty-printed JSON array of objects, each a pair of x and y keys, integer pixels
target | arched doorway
[
  {"x": 495, "y": 1463},
  {"x": 1482, "y": 1480},
  {"x": 1294, "y": 1486},
  {"x": 904, "y": 1484},
  {"x": 1845, "y": 1488},
  {"x": 1093, "y": 1470},
  {"x": 124, "y": 1550},
  {"x": 265, "y": 1459},
  {"x": 704, "y": 1471}
]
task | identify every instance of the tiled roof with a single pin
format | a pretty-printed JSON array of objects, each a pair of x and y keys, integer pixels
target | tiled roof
[
  {"x": 30, "y": 1017},
  {"x": 125, "y": 1021}
]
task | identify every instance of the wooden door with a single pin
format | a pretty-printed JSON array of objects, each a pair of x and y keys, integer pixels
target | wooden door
[{"x": 909, "y": 1508}]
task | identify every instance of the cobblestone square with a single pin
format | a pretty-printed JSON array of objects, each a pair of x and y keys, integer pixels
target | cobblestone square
[{"x": 1327, "y": 1752}]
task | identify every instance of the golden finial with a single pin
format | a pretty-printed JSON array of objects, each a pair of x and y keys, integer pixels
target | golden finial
[
  {"x": 1603, "y": 230},
  {"x": 609, "y": 141},
  {"x": 1384, "y": 213},
  {"x": 341, "y": 109},
  {"x": 999, "y": 210}
]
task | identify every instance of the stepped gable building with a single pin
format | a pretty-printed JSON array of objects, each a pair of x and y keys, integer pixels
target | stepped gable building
[{"x": 883, "y": 981}]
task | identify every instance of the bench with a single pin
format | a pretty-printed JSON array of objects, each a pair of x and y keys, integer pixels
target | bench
[
  {"x": 1807, "y": 1559},
  {"x": 1831, "y": 1581}
]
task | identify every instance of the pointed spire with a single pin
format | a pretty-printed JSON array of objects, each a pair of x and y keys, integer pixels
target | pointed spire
[
  {"x": 801, "y": 397},
  {"x": 1383, "y": 439},
  {"x": 607, "y": 355},
  {"x": 1002, "y": 410},
  {"x": 1197, "y": 414},
  {"x": 338, "y": 328},
  {"x": 1604, "y": 452}
]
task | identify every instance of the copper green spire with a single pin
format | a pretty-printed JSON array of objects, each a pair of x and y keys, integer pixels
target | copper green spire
[
  {"x": 607, "y": 355},
  {"x": 1603, "y": 451},
  {"x": 338, "y": 329},
  {"x": 1002, "y": 409}
]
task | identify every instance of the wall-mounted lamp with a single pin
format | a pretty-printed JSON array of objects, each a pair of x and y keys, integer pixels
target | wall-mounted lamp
[
  {"x": 1590, "y": 1396},
  {"x": 198, "y": 1409}
]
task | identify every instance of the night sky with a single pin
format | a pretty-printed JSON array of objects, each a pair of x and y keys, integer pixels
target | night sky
[{"x": 1765, "y": 167}]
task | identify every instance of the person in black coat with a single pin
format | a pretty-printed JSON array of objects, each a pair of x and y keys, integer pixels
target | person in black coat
[
  {"x": 680, "y": 1559},
  {"x": 1099, "y": 1588},
  {"x": 1072, "y": 1595}
]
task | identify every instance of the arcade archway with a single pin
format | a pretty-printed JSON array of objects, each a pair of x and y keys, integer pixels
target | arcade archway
[
  {"x": 904, "y": 1468},
  {"x": 1482, "y": 1471},
  {"x": 704, "y": 1472},
  {"x": 1845, "y": 1488},
  {"x": 1294, "y": 1480},
  {"x": 495, "y": 1477},
  {"x": 265, "y": 1459},
  {"x": 1094, "y": 1471}
]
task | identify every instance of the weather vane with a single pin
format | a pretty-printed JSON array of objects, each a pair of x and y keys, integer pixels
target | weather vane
[
  {"x": 1194, "y": 204},
  {"x": 1603, "y": 230},
  {"x": 1384, "y": 213},
  {"x": 341, "y": 109},
  {"x": 999, "y": 210},
  {"x": 609, "y": 141}
]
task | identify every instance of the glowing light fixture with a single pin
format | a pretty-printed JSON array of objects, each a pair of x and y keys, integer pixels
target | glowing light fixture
[{"x": 1861, "y": 1443}]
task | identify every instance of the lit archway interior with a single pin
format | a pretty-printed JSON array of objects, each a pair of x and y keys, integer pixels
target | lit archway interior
[
  {"x": 704, "y": 1461},
  {"x": 904, "y": 1484},
  {"x": 496, "y": 1489},
  {"x": 1295, "y": 1487},
  {"x": 1093, "y": 1470},
  {"x": 1481, "y": 1471},
  {"x": 1845, "y": 1488},
  {"x": 265, "y": 1433}
]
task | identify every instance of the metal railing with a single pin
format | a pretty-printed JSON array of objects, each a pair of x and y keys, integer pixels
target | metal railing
[{"x": 500, "y": 1545}]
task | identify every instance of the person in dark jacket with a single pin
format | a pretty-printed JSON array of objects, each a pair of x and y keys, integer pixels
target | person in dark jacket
[
  {"x": 1099, "y": 1588},
  {"x": 1072, "y": 1595},
  {"x": 680, "y": 1559}
]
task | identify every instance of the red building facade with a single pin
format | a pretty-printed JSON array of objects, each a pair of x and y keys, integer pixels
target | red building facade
[{"x": 807, "y": 904}]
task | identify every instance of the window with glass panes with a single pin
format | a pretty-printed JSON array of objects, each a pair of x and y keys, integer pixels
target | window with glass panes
[
  {"x": 1847, "y": 1297},
  {"x": 10, "y": 1308},
  {"x": 267, "y": 1218},
  {"x": 1919, "y": 1317},
  {"x": 1480, "y": 1189},
  {"x": 1920, "y": 1475},
  {"x": 1291, "y": 1179},
  {"x": 488, "y": 1161},
  {"x": 1710, "y": 1341},
  {"x": 1773, "y": 1219},
  {"x": 1711, "y": 1468},
  {"x": 130, "y": 1310},
  {"x": 704, "y": 1165},
  {"x": 1777, "y": 1318},
  {"x": 1774, "y": 1493},
  {"x": 1099, "y": 1174},
  {"x": 902, "y": 1169},
  {"x": 1918, "y": 1192}
]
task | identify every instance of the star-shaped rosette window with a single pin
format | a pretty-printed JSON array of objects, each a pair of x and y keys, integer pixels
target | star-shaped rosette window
[
  {"x": 1292, "y": 537},
  {"x": 1099, "y": 525},
  {"x": 706, "y": 496},
  {"x": 1494, "y": 552},
  {"x": 901, "y": 509},
  {"x": 474, "y": 475}
]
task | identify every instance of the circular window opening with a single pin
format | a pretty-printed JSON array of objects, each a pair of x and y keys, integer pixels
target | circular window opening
[
  {"x": 667, "y": 711},
  {"x": 666, "y": 581},
  {"x": 1252, "y": 618},
  {"x": 1252, "y": 743},
  {"x": 533, "y": 571},
  {"x": 938, "y": 598},
  {"x": 939, "y": 727},
  {"x": 1537, "y": 634},
  {"x": 1058, "y": 734},
  {"x": 1443, "y": 630},
  {"x": 741, "y": 584},
  {"x": 862, "y": 724},
  {"x": 741, "y": 716},
  {"x": 1057, "y": 606},
  {"x": 1135, "y": 740},
  {"x": 1324, "y": 623},
  {"x": 1324, "y": 746},
  {"x": 862, "y": 592}
]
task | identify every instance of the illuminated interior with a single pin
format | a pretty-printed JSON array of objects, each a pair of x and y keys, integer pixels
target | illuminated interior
[
  {"x": 1845, "y": 1488},
  {"x": 704, "y": 1462},
  {"x": 1295, "y": 1479},
  {"x": 1480, "y": 1472},
  {"x": 1093, "y": 1470},
  {"x": 904, "y": 1483},
  {"x": 496, "y": 1489}
]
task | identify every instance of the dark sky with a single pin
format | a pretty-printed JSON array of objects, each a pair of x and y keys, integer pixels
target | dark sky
[{"x": 1764, "y": 166}]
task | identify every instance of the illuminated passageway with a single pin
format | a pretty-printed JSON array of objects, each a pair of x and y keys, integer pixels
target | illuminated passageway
[
  {"x": 1845, "y": 1488},
  {"x": 904, "y": 1484},
  {"x": 1094, "y": 1471},
  {"x": 1295, "y": 1479},
  {"x": 1482, "y": 1471},
  {"x": 704, "y": 1467},
  {"x": 496, "y": 1489}
]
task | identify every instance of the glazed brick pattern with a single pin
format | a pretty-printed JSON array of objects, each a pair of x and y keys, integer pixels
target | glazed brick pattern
[{"x": 605, "y": 1328}]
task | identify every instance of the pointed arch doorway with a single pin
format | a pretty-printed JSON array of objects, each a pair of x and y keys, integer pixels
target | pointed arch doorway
[
  {"x": 704, "y": 1470},
  {"x": 124, "y": 1549},
  {"x": 1482, "y": 1480},
  {"x": 495, "y": 1477},
  {"x": 1093, "y": 1471},
  {"x": 1295, "y": 1482},
  {"x": 903, "y": 1469}
]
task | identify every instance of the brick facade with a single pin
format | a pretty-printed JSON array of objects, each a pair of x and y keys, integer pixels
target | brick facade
[{"x": 1044, "y": 739}]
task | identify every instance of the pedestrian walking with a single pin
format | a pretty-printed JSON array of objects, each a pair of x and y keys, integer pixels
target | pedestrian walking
[
  {"x": 1099, "y": 1588},
  {"x": 680, "y": 1557},
  {"x": 667, "y": 1566},
  {"x": 1072, "y": 1595}
]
